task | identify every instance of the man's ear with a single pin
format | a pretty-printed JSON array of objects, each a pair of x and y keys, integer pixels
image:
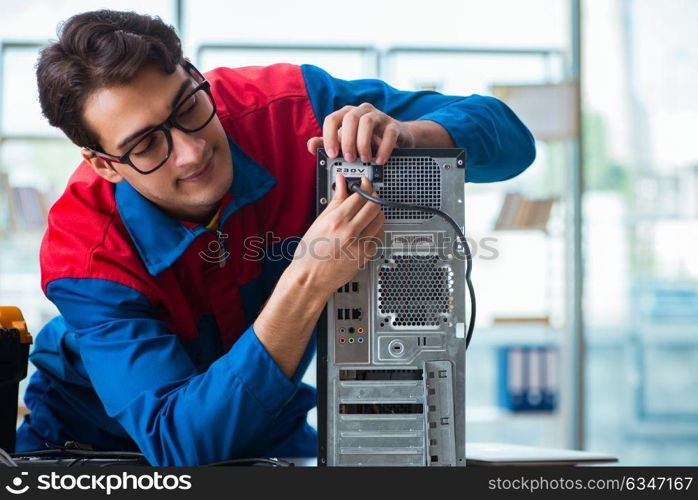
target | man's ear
[{"x": 102, "y": 167}]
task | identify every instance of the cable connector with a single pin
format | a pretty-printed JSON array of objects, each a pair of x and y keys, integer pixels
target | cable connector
[{"x": 353, "y": 183}]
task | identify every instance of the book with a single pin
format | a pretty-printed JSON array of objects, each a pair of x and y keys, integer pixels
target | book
[
  {"x": 28, "y": 208},
  {"x": 521, "y": 213}
]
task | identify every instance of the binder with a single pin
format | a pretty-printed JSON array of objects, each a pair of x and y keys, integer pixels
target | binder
[{"x": 528, "y": 378}]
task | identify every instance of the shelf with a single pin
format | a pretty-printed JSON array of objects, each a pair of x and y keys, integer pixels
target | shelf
[{"x": 515, "y": 335}]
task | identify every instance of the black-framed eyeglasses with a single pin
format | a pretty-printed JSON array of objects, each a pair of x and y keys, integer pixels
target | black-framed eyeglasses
[{"x": 154, "y": 148}]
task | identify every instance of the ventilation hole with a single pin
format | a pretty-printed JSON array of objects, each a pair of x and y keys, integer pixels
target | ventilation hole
[
  {"x": 414, "y": 290},
  {"x": 399, "y": 186}
]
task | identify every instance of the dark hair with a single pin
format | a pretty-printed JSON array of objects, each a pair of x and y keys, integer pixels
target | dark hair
[{"x": 95, "y": 50}]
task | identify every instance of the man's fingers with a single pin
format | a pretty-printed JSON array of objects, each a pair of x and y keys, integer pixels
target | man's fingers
[
  {"x": 340, "y": 192},
  {"x": 374, "y": 229},
  {"x": 314, "y": 143},
  {"x": 388, "y": 141},
  {"x": 350, "y": 126},
  {"x": 330, "y": 127},
  {"x": 357, "y": 130},
  {"x": 368, "y": 212},
  {"x": 365, "y": 217},
  {"x": 355, "y": 201},
  {"x": 371, "y": 236},
  {"x": 368, "y": 125},
  {"x": 351, "y": 206}
]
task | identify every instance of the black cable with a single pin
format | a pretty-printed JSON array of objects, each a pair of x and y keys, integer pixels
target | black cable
[
  {"x": 6, "y": 459},
  {"x": 58, "y": 452},
  {"x": 269, "y": 462},
  {"x": 83, "y": 456},
  {"x": 356, "y": 187}
]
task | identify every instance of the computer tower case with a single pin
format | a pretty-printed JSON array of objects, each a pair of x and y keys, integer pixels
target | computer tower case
[{"x": 391, "y": 342}]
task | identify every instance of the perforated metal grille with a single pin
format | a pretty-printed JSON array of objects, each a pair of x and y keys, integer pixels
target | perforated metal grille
[
  {"x": 413, "y": 180},
  {"x": 414, "y": 290}
]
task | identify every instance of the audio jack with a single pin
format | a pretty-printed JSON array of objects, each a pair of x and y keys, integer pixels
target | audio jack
[{"x": 355, "y": 186}]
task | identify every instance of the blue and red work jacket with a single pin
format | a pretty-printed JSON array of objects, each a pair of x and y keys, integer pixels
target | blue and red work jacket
[{"x": 154, "y": 349}]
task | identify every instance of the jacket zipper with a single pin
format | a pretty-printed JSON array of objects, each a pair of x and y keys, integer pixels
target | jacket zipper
[{"x": 221, "y": 248}]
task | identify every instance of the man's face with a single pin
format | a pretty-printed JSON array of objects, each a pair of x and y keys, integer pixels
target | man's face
[{"x": 199, "y": 171}]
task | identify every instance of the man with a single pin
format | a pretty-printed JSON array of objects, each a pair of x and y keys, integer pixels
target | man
[{"x": 171, "y": 340}]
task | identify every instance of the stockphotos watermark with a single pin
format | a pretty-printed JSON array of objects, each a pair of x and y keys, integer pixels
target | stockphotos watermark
[
  {"x": 103, "y": 483},
  {"x": 272, "y": 247},
  {"x": 215, "y": 252}
]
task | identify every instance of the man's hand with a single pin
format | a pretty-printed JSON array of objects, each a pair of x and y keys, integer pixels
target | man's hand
[
  {"x": 340, "y": 241},
  {"x": 361, "y": 129},
  {"x": 331, "y": 252}
]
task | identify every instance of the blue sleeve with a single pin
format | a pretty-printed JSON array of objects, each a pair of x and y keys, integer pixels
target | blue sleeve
[
  {"x": 146, "y": 380},
  {"x": 498, "y": 144}
]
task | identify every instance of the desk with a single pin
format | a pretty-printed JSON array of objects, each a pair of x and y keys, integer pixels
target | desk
[{"x": 477, "y": 454}]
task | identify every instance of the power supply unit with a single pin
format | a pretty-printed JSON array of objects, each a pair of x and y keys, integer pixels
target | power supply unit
[{"x": 392, "y": 342}]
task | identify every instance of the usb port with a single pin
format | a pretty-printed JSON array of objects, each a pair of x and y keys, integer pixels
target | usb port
[
  {"x": 354, "y": 286},
  {"x": 347, "y": 314},
  {"x": 346, "y": 287},
  {"x": 340, "y": 313}
]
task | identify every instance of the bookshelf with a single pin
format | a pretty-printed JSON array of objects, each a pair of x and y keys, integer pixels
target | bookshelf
[
  {"x": 522, "y": 297},
  {"x": 528, "y": 284}
]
